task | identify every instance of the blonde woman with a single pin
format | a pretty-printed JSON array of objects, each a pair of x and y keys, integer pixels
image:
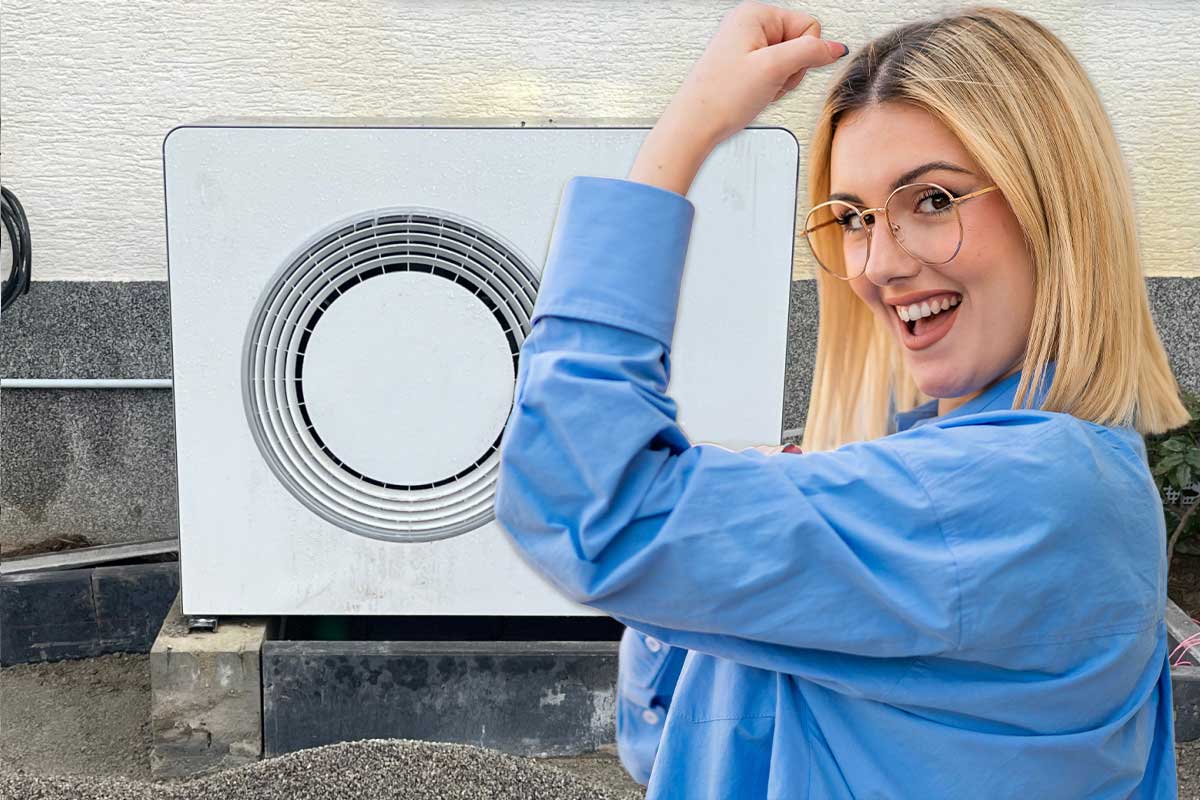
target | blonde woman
[{"x": 961, "y": 599}]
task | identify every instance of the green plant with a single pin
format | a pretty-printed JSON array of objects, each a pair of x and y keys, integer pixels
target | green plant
[{"x": 1175, "y": 464}]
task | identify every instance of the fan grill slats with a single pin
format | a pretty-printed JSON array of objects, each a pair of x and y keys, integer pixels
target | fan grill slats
[{"x": 289, "y": 311}]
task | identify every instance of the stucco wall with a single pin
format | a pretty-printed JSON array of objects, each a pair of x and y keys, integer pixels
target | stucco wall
[{"x": 90, "y": 89}]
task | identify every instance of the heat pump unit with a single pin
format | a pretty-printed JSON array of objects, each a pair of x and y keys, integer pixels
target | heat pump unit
[{"x": 348, "y": 303}]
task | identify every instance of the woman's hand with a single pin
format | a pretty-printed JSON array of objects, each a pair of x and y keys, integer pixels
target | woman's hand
[
  {"x": 776, "y": 449},
  {"x": 759, "y": 53}
]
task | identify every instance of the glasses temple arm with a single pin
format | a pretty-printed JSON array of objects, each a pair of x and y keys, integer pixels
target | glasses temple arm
[{"x": 966, "y": 197}]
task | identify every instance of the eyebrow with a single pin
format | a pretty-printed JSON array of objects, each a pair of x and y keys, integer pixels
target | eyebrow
[{"x": 907, "y": 177}]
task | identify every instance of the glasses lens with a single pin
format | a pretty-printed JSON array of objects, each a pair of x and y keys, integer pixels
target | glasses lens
[
  {"x": 837, "y": 236},
  {"x": 925, "y": 222}
]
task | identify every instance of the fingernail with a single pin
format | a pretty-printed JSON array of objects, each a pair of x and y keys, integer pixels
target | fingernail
[{"x": 835, "y": 46}]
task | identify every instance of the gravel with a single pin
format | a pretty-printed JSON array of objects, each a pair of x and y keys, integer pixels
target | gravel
[
  {"x": 371, "y": 769},
  {"x": 80, "y": 729}
]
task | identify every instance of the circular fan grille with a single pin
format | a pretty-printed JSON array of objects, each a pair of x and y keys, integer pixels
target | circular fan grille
[{"x": 292, "y": 306}]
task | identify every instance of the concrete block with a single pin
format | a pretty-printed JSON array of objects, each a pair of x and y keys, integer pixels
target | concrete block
[
  {"x": 206, "y": 695},
  {"x": 529, "y": 698}
]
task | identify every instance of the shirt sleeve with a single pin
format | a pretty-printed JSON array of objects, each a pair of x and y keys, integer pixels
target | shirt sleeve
[{"x": 778, "y": 561}]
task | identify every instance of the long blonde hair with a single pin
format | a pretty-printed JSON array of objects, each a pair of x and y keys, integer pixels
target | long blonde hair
[{"x": 1025, "y": 110}]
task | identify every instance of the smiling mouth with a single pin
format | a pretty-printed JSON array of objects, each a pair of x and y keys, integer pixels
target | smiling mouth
[
  {"x": 921, "y": 325},
  {"x": 919, "y": 316}
]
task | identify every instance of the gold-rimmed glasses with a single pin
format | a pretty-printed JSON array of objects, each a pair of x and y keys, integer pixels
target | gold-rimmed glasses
[{"x": 922, "y": 217}]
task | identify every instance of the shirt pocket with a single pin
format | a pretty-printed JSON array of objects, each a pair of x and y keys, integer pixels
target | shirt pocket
[
  {"x": 720, "y": 689},
  {"x": 642, "y": 667}
]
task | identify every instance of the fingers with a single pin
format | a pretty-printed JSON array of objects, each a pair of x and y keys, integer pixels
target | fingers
[
  {"x": 781, "y": 24},
  {"x": 791, "y": 83},
  {"x": 794, "y": 41},
  {"x": 804, "y": 52},
  {"x": 798, "y": 24},
  {"x": 794, "y": 24},
  {"x": 776, "y": 449}
]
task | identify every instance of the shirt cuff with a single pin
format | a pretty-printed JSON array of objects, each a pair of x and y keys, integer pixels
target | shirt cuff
[{"x": 616, "y": 255}]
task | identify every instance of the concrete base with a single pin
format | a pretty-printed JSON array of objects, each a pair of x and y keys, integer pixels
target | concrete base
[
  {"x": 529, "y": 698},
  {"x": 206, "y": 695}
]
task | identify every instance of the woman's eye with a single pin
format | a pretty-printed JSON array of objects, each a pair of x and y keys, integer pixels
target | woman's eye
[
  {"x": 933, "y": 203},
  {"x": 851, "y": 222}
]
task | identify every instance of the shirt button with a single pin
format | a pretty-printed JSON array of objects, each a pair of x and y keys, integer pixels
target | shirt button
[
  {"x": 652, "y": 644},
  {"x": 650, "y": 716}
]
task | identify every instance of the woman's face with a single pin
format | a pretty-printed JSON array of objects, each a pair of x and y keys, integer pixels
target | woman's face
[{"x": 961, "y": 350}]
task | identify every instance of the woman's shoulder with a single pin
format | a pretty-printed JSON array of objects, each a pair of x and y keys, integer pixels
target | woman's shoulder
[
  {"x": 1035, "y": 440},
  {"x": 1061, "y": 511},
  {"x": 1002, "y": 461},
  {"x": 1068, "y": 469}
]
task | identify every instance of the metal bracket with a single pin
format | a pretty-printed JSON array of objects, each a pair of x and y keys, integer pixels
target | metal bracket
[{"x": 196, "y": 624}]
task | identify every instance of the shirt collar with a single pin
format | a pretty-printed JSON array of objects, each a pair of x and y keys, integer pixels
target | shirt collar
[{"x": 998, "y": 396}]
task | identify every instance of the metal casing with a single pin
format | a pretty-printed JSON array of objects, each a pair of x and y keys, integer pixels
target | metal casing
[{"x": 347, "y": 301}]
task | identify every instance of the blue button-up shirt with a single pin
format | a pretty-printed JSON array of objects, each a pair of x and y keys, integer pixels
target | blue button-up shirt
[{"x": 972, "y": 606}]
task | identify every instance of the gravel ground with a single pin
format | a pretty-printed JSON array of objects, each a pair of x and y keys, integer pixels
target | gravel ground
[
  {"x": 80, "y": 730},
  {"x": 372, "y": 769}
]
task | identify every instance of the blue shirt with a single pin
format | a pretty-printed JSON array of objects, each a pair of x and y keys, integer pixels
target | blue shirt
[
  {"x": 972, "y": 606},
  {"x": 647, "y": 672}
]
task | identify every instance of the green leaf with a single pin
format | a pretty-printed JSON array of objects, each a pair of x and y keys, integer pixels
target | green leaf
[
  {"x": 1183, "y": 476},
  {"x": 1167, "y": 464},
  {"x": 1193, "y": 457},
  {"x": 1175, "y": 445}
]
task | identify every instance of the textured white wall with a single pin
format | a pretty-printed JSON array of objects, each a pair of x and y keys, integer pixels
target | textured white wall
[{"x": 88, "y": 90}]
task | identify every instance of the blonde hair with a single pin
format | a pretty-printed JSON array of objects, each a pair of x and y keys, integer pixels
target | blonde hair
[{"x": 1018, "y": 101}]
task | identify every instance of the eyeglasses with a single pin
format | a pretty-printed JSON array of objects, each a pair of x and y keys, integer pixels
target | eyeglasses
[{"x": 922, "y": 217}]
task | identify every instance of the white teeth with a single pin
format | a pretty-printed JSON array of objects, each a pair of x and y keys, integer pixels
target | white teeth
[{"x": 925, "y": 309}]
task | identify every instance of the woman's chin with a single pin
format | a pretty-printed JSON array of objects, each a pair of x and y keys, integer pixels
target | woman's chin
[{"x": 936, "y": 380}]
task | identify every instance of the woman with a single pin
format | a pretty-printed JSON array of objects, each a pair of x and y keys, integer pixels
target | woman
[{"x": 964, "y": 599}]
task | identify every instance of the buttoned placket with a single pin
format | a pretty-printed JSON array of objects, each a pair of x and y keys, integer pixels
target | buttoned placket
[{"x": 649, "y": 715}]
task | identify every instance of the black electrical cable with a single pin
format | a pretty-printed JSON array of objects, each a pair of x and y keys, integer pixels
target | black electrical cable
[{"x": 17, "y": 226}]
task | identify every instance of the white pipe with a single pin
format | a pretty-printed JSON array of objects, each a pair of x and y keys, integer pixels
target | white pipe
[{"x": 85, "y": 383}]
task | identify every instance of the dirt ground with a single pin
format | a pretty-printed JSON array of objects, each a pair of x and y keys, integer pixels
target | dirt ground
[
  {"x": 1183, "y": 582},
  {"x": 91, "y": 717}
]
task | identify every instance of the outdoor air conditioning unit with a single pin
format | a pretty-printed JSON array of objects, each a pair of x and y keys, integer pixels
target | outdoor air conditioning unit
[{"x": 348, "y": 302}]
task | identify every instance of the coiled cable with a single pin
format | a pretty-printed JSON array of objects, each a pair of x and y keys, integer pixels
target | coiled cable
[{"x": 15, "y": 222}]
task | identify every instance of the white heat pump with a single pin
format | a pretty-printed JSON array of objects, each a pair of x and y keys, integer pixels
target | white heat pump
[{"x": 348, "y": 303}]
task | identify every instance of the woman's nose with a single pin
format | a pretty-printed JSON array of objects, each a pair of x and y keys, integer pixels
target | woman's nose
[{"x": 887, "y": 261}]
